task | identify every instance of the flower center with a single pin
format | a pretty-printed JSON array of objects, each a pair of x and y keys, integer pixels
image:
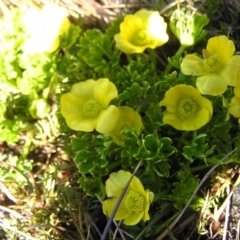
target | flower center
[
  {"x": 187, "y": 107},
  {"x": 91, "y": 108},
  {"x": 212, "y": 64},
  {"x": 141, "y": 38},
  {"x": 134, "y": 202}
]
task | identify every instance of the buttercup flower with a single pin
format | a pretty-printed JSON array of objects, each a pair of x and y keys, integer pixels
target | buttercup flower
[
  {"x": 186, "y": 109},
  {"x": 218, "y": 69},
  {"x": 128, "y": 119},
  {"x": 188, "y": 28},
  {"x": 136, "y": 202},
  {"x": 234, "y": 108},
  {"x": 86, "y": 106},
  {"x": 144, "y": 29},
  {"x": 44, "y": 28}
]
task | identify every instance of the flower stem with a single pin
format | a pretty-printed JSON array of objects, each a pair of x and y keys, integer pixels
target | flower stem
[
  {"x": 179, "y": 52},
  {"x": 129, "y": 58},
  {"x": 114, "y": 165},
  {"x": 182, "y": 140},
  {"x": 152, "y": 55}
]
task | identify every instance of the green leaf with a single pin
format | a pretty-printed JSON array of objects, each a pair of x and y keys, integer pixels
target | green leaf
[
  {"x": 90, "y": 154},
  {"x": 92, "y": 186},
  {"x": 197, "y": 203},
  {"x": 97, "y": 50},
  {"x": 161, "y": 168},
  {"x": 2, "y": 111},
  {"x": 69, "y": 38},
  {"x": 198, "y": 148},
  {"x": 183, "y": 189}
]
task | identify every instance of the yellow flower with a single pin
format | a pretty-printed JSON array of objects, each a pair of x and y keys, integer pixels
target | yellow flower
[
  {"x": 144, "y": 29},
  {"x": 86, "y": 106},
  {"x": 188, "y": 28},
  {"x": 136, "y": 201},
  {"x": 218, "y": 69},
  {"x": 186, "y": 109},
  {"x": 234, "y": 108},
  {"x": 128, "y": 119},
  {"x": 44, "y": 28}
]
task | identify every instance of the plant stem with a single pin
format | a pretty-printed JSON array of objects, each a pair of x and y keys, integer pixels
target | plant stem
[
  {"x": 114, "y": 165},
  {"x": 129, "y": 58},
  {"x": 152, "y": 55},
  {"x": 179, "y": 52},
  {"x": 182, "y": 140}
]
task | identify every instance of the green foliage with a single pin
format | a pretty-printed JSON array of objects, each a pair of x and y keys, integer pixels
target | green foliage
[
  {"x": 152, "y": 150},
  {"x": 183, "y": 189},
  {"x": 198, "y": 148},
  {"x": 28, "y": 81},
  {"x": 30, "y": 90},
  {"x": 15, "y": 169},
  {"x": 98, "y": 51},
  {"x": 9, "y": 131},
  {"x": 90, "y": 155},
  {"x": 92, "y": 186},
  {"x": 69, "y": 38},
  {"x": 175, "y": 61}
]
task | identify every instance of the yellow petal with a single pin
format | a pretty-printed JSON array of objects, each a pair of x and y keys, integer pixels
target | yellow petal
[
  {"x": 237, "y": 90},
  {"x": 107, "y": 119},
  {"x": 231, "y": 71},
  {"x": 175, "y": 94},
  {"x": 188, "y": 109},
  {"x": 234, "y": 108},
  {"x": 53, "y": 46},
  {"x": 207, "y": 104},
  {"x": 65, "y": 26},
  {"x": 31, "y": 19},
  {"x": 133, "y": 206},
  {"x": 192, "y": 65},
  {"x": 130, "y": 26},
  {"x": 200, "y": 119},
  {"x": 211, "y": 84},
  {"x": 222, "y": 47},
  {"x": 137, "y": 186},
  {"x": 44, "y": 27},
  {"x": 133, "y": 218},
  {"x": 128, "y": 119},
  {"x": 157, "y": 28},
  {"x": 71, "y": 109},
  {"x": 117, "y": 182},
  {"x": 108, "y": 206},
  {"x": 83, "y": 90},
  {"x": 149, "y": 198},
  {"x": 144, "y": 15},
  {"x": 173, "y": 120},
  {"x": 70, "y": 104},
  {"x": 144, "y": 29},
  {"x": 54, "y": 18},
  {"x": 126, "y": 46},
  {"x": 104, "y": 92},
  {"x": 78, "y": 122},
  {"x": 189, "y": 124}
]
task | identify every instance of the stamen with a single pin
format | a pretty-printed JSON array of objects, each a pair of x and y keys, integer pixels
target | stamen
[
  {"x": 91, "y": 108},
  {"x": 212, "y": 64},
  {"x": 134, "y": 202},
  {"x": 187, "y": 107},
  {"x": 141, "y": 38}
]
